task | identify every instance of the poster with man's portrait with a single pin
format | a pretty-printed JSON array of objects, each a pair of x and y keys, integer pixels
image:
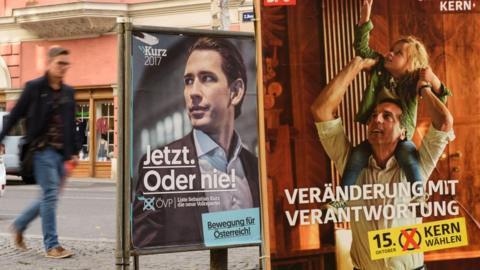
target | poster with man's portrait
[{"x": 195, "y": 181}]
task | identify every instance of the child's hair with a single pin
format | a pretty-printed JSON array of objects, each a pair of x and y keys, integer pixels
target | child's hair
[{"x": 417, "y": 52}]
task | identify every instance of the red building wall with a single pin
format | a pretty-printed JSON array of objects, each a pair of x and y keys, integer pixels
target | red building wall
[{"x": 94, "y": 60}]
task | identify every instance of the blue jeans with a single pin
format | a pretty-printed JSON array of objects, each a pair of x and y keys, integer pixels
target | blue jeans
[
  {"x": 48, "y": 171},
  {"x": 406, "y": 155}
]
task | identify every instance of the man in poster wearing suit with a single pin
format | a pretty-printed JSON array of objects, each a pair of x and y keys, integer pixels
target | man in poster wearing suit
[{"x": 209, "y": 166}]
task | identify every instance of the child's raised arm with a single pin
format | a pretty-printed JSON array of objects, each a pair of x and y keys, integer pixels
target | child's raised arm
[
  {"x": 362, "y": 33},
  {"x": 365, "y": 11}
]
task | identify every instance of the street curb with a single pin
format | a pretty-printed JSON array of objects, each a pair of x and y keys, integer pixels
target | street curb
[
  {"x": 35, "y": 236},
  {"x": 93, "y": 180}
]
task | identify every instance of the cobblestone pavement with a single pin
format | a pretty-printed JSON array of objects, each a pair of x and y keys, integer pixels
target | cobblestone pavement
[{"x": 100, "y": 255}]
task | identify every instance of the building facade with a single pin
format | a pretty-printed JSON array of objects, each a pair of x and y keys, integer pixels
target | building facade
[{"x": 29, "y": 27}]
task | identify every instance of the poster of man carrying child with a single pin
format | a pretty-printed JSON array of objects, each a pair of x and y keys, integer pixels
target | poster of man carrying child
[{"x": 372, "y": 133}]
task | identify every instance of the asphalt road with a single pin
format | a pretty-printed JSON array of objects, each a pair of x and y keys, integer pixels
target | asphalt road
[{"x": 86, "y": 209}]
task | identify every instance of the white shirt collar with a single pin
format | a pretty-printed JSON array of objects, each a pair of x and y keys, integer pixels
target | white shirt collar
[
  {"x": 391, "y": 163},
  {"x": 204, "y": 144}
]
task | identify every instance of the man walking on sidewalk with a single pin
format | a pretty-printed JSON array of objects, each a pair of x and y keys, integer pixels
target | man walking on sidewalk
[{"x": 49, "y": 108}]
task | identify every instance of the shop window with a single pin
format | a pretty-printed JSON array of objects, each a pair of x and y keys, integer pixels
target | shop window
[
  {"x": 83, "y": 129},
  {"x": 104, "y": 127}
]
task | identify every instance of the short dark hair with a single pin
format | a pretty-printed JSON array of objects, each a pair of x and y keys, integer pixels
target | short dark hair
[
  {"x": 232, "y": 62},
  {"x": 56, "y": 51}
]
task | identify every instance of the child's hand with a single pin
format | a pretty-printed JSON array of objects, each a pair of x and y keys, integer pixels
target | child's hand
[
  {"x": 427, "y": 75},
  {"x": 365, "y": 11},
  {"x": 368, "y": 63},
  {"x": 364, "y": 63}
]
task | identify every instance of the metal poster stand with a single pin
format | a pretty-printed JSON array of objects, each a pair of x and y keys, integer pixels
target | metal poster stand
[
  {"x": 122, "y": 253},
  {"x": 124, "y": 249}
]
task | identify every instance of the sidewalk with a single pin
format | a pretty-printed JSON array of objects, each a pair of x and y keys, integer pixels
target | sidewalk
[
  {"x": 94, "y": 252},
  {"x": 100, "y": 255}
]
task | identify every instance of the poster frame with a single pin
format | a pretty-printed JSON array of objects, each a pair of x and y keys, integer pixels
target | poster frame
[{"x": 128, "y": 136}]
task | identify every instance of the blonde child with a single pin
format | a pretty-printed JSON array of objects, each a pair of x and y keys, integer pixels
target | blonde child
[{"x": 394, "y": 77}]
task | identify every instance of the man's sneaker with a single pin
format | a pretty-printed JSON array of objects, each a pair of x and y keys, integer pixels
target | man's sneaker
[
  {"x": 18, "y": 240},
  {"x": 335, "y": 205},
  {"x": 420, "y": 198},
  {"x": 422, "y": 204},
  {"x": 58, "y": 253}
]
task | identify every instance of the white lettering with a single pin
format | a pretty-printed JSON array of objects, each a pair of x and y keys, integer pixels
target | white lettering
[
  {"x": 456, "y": 5},
  {"x": 217, "y": 180},
  {"x": 292, "y": 220},
  {"x": 167, "y": 156},
  {"x": 303, "y": 196},
  {"x": 157, "y": 178},
  {"x": 291, "y": 197},
  {"x": 169, "y": 182}
]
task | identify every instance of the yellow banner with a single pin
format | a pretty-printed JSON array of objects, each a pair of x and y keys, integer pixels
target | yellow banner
[{"x": 417, "y": 238}]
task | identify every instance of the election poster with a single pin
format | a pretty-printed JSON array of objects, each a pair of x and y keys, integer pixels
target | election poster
[
  {"x": 349, "y": 86},
  {"x": 195, "y": 169}
]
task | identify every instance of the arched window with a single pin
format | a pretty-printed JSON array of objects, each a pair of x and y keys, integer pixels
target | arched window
[{"x": 4, "y": 75}]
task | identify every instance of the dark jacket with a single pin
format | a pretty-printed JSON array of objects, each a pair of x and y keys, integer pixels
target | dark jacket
[
  {"x": 167, "y": 227},
  {"x": 35, "y": 104}
]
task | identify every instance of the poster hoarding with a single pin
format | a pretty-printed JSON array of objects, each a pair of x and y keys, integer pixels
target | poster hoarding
[
  {"x": 195, "y": 176},
  {"x": 304, "y": 48}
]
